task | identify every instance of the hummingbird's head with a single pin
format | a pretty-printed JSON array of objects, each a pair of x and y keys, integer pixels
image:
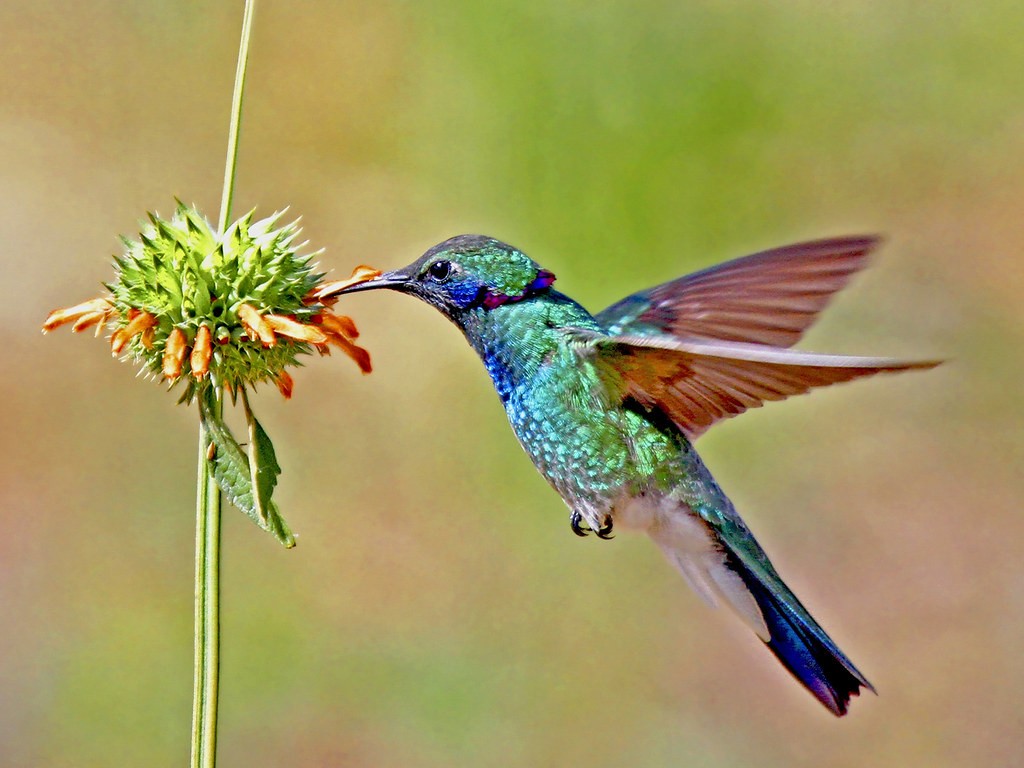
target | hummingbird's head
[{"x": 466, "y": 273}]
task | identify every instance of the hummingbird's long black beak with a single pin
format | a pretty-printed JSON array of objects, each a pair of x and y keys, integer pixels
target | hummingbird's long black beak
[
  {"x": 387, "y": 280},
  {"x": 393, "y": 280}
]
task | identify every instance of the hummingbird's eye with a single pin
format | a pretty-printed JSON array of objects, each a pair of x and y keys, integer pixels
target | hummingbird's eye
[{"x": 440, "y": 270}]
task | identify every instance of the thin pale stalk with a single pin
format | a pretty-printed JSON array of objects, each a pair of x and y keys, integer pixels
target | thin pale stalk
[
  {"x": 207, "y": 611},
  {"x": 208, "y": 497},
  {"x": 234, "y": 127}
]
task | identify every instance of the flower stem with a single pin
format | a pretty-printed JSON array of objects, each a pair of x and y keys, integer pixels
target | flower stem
[
  {"x": 208, "y": 497},
  {"x": 207, "y": 612},
  {"x": 236, "y": 117}
]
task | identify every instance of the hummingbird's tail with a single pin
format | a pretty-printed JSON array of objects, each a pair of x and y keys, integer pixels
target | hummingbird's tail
[
  {"x": 734, "y": 570},
  {"x": 798, "y": 641}
]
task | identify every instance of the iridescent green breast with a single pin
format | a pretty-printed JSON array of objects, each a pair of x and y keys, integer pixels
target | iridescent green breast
[{"x": 579, "y": 435}]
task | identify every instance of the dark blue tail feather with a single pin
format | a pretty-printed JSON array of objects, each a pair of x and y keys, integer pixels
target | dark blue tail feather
[{"x": 801, "y": 644}]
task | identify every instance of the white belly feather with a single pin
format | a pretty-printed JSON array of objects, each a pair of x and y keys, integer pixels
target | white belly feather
[{"x": 692, "y": 547}]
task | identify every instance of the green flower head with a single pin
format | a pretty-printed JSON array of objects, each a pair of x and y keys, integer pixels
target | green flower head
[{"x": 196, "y": 307}]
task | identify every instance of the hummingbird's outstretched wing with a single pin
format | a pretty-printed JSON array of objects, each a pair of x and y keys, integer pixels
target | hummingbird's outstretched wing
[
  {"x": 770, "y": 297},
  {"x": 697, "y": 382}
]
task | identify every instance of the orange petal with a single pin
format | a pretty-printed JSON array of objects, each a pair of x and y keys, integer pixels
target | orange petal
[
  {"x": 60, "y": 317},
  {"x": 285, "y": 384},
  {"x": 139, "y": 322},
  {"x": 339, "y": 324},
  {"x": 88, "y": 320},
  {"x": 293, "y": 329},
  {"x": 256, "y": 325},
  {"x": 118, "y": 340},
  {"x": 174, "y": 354},
  {"x": 147, "y": 337},
  {"x": 360, "y": 274},
  {"x": 202, "y": 351},
  {"x": 357, "y": 353}
]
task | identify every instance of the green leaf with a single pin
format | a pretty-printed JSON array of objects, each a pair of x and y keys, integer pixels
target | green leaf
[
  {"x": 231, "y": 469},
  {"x": 263, "y": 466}
]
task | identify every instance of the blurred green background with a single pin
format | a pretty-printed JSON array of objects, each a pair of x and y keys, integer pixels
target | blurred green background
[{"x": 438, "y": 611}]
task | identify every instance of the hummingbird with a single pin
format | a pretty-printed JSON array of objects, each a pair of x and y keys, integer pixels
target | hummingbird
[{"x": 608, "y": 406}]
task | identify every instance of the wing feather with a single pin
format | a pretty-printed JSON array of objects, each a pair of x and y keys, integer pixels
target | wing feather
[
  {"x": 697, "y": 382},
  {"x": 769, "y": 298}
]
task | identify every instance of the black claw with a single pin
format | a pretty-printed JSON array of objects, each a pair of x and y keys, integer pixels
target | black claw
[
  {"x": 605, "y": 531},
  {"x": 576, "y": 523}
]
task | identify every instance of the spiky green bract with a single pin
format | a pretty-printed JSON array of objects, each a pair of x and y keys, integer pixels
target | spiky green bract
[{"x": 186, "y": 275}]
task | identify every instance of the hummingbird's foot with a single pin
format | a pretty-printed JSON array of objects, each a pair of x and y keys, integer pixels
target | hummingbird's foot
[
  {"x": 580, "y": 528},
  {"x": 577, "y": 524}
]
